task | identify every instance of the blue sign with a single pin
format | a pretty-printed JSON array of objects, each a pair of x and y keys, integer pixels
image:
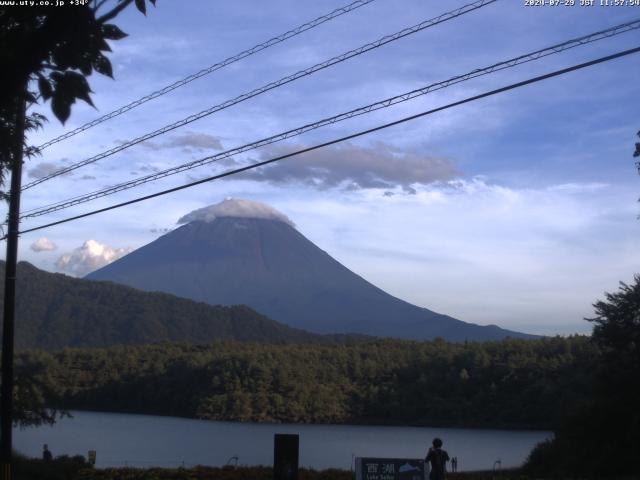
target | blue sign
[{"x": 389, "y": 469}]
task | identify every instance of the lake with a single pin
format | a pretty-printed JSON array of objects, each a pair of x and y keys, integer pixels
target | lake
[{"x": 144, "y": 441}]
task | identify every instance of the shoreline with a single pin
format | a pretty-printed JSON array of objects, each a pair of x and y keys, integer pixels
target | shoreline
[{"x": 361, "y": 424}]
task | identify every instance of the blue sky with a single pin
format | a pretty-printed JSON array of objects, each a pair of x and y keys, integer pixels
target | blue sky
[{"x": 518, "y": 210}]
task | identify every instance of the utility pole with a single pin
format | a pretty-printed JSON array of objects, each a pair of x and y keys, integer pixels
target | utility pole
[{"x": 6, "y": 392}]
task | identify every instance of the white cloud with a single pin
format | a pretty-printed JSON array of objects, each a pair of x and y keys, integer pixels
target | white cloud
[
  {"x": 578, "y": 187},
  {"x": 235, "y": 207},
  {"x": 43, "y": 244},
  {"x": 91, "y": 256}
]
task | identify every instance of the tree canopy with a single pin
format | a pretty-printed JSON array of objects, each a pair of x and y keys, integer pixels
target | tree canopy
[
  {"x": 47, "y": 53},
  {"x": 602, "y": 438},
  {"x": 510, "y": 383}
]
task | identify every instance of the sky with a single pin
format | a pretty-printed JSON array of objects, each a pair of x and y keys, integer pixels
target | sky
[{"x": 519, "y": 210}]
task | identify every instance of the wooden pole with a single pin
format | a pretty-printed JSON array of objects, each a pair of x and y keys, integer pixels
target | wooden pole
[{"x": 6, "y": 391}]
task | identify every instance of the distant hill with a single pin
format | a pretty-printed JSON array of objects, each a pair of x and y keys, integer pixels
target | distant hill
[
  {"x": 243, "y": 252},
  {"x": 56, "y": 311}
]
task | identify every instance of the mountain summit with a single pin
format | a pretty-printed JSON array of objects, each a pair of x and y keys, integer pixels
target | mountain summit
[{"x": 243, "y": 252}]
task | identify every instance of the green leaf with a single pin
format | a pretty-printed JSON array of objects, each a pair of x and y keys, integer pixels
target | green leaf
[
  {"x": 104, "y": 46},
  {"x": 30, "y": 97},
  {"x": 112, "y": 32},
  {"x": 84, "y": 64},
  {"x": 76, "y": 86},
  {"x": 61, "y": 107},
  {"x": 102, "y": 65},
  {"x": 45, "y": 88},
  {"x": 141, "y": 6},
  {"x": 62, "y": 56},
  {"x": 70, "y": 86},
  {"x": 56, "y": 76}
]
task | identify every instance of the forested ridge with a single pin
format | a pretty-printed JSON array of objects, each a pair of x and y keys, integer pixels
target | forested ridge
[
  {"x": 510, "y": 383},
  {"x": 56, "y": 311}
]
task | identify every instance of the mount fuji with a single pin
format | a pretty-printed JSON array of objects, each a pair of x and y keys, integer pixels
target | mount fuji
[{"x": 243, "y": 252}]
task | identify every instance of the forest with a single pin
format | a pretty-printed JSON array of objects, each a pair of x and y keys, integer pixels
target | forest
[{"x": 507, "y": 384}]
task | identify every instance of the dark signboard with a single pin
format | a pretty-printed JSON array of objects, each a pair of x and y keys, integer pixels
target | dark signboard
[
  {"x": 285, "y": 456},
  {"x": 389, "y": 469}
]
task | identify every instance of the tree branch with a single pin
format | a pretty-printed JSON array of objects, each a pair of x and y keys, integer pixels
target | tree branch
[
  {"x": 115, "y": 11},
  {"x": 99, "y": 4}
]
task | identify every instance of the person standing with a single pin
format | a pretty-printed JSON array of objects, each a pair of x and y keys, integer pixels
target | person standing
[
  {"x": 46, "y": 453},
  {"x": 438, "y": 459}
]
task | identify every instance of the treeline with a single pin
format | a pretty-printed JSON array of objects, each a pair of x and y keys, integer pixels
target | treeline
[
  {"x": 510, "y": 383},
  {"x": 601, "y": 438}
]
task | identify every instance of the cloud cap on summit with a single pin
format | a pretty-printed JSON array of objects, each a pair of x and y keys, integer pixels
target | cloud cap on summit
[{"x": 235, "y": 207}]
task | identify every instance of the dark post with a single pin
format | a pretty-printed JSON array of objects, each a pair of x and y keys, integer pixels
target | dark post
[
  {"x": 6, "y": 392},
  {"x": 285, "y": 457}
]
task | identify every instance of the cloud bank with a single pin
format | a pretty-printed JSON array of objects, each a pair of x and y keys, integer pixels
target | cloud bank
[
  {"x": 235, "y": 207},
  {"x": 91, "y": 256},
  {"x": 198, "y": 141},
  {"x": 43, "y": 169},
  {"x": 354, "y": 167},
  {"x": 530, "y": 259}
]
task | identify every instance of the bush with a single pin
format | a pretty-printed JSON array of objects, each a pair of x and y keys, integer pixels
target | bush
[{"x": 61, "y": 468}]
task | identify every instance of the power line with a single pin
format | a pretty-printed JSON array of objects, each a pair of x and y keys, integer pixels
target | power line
[
  {"x": 554, "y": 49},
  {"x": 206, "y": 71},
  {"x": 270, "y": 86},
  {"x": 342, "y": 139}
]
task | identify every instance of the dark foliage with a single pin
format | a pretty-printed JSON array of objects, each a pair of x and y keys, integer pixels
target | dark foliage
[
  {"x": 511, "y": 383},
  {"x": 51, "y": 50},
  {"x": 208, "y": 473},
  {"x": 61, "y": 468},
  {"x": 57, "y": 48},
  {"x": 39, "y": 470},
  {"x": 34, "y": 391},
  {"x": 602, "y": 439}
]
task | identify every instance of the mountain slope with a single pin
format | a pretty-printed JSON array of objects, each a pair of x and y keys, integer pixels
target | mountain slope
[
  {"x": 56, "y": 311},
  {"x": 267, "y": 264}
]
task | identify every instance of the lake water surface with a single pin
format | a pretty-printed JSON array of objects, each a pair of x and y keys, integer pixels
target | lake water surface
[{"x": 144, "y": 440}]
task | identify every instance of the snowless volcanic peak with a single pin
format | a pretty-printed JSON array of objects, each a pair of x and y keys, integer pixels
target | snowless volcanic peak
[
  {"x": 271, "y": 267},
  {"x": 235, "y": 207}
]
